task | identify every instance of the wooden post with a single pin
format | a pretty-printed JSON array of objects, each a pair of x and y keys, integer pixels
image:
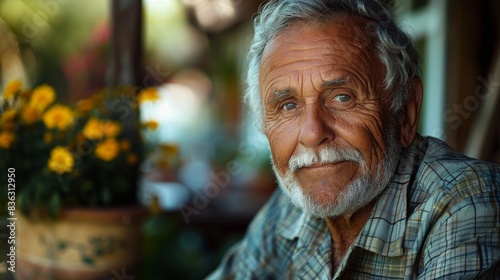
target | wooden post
[{"x": 124, "y": 67}]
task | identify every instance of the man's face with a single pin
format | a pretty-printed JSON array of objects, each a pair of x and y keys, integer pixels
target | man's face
[{"x": 332, "y": 137}]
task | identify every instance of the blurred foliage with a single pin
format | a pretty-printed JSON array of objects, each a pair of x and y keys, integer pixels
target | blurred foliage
[
  {"x": 61, "y": 43},
  {"x": 65, "y": 43},
  {"x": 86, "y": 154}
]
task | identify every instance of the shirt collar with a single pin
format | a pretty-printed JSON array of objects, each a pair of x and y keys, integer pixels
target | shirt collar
[
  {"x": 305, "y": 228},
  {"x": 385, "y": 229}
]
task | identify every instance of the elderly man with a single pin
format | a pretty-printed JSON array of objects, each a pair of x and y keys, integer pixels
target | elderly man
[{"x": 336, "y": 87}]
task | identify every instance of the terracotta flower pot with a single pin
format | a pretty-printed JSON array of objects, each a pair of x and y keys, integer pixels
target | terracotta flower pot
[{"x": 80, "y": 244}]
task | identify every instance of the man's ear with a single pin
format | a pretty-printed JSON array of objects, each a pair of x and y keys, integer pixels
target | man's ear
[{"x": 409, "y": 119}]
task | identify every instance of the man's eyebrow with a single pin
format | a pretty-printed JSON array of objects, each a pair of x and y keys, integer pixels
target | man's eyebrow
[
  {"x": 279, "y": 94},
  {"x": 335, "y": 82}
]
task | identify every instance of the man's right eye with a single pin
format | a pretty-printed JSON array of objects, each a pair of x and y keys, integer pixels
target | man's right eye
[{"x": 289, "y": 106}]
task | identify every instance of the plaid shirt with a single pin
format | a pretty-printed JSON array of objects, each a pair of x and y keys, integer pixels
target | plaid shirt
[{"x": 439, "y": 218}]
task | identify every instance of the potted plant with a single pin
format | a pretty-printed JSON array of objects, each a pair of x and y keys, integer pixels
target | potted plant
[{"x": 72, "y": 176}]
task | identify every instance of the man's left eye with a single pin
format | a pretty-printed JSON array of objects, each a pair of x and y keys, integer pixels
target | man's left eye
[
  {"x": 289, "y": 106},
  {"x": 342, "y": 98}
]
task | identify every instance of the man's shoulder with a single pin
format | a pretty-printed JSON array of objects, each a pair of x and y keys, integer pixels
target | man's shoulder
[
  {"x": 456, "y": 204},
  {"x": 443, "y": 169}
]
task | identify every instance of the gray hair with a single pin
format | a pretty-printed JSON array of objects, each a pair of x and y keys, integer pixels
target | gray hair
[{"x": 394, "y": 47}]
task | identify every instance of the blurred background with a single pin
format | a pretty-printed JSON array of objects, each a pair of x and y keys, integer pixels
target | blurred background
[{"x": 208, "y": 171}]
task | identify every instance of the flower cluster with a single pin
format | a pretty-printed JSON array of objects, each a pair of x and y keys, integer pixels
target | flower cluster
[{"x": 81, "y": 155}]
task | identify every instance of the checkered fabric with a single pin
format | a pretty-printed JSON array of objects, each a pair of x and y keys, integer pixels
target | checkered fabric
[{"x": 439, "y": 218}]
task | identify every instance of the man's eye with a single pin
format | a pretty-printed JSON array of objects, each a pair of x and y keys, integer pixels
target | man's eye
[
  {"x": 289, "y": 106},
  {"x": 342, "y": 98}
]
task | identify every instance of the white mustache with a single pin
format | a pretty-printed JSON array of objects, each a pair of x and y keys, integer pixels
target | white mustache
[{"x": 326, "y": 155}]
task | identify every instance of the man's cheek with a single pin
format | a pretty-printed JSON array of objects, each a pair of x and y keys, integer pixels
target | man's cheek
[{"x": 280, "y": 154}]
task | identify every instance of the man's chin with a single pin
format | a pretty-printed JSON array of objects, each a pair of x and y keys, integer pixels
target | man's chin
[
  {"x": 316, "y": 205},
  {"x": 316, "y": 210},
  {"x": 347, "y": 201}
]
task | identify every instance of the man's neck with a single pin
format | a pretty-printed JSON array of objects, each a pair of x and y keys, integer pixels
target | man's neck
[{"x": 344, "y": 229}]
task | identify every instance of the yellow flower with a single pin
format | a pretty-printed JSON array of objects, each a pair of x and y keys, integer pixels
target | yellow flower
[
  {"x": 92, "y": 129},
  {"x": 79, "y": 138},
  {"x": 61, "y": 160},
  {"x": 97, "y": 129},
  {"x": 154, "y": 206},
  {"x": 30, "y": 114},
  {"x": 125, "y": 145},
  {"x": 6, "y": 139},
  {"x": 9, "y": 125},
  {"x": 8, "y": 115},
  {"x": 96, "y": 98},
  {"x": 58, "y": 116},
  {"x": 169, "y": 149},
  {"x": 148, "y": 94},
  {"x": 7, "y": 120},
  {"x": 85, "y": 105},
  {"x": 132, "y": 159},
  {"x": 107, "y": 149},
  {"x": 110, "y": 128},
  {"x": 151, "y": 125},
  {"x": 48, "y": 137},
  {"x": 43, "y": 96},
  {"x": 25, "y": 95},
  {"x": 11, "y": 89}
]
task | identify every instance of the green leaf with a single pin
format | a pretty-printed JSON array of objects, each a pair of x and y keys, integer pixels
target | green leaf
[
  {"x": 24, "y": 203},
  {"x": 54, "y": 205},
  {"x": 105, "y": 195},
  {"x": 37, "y": 194}
]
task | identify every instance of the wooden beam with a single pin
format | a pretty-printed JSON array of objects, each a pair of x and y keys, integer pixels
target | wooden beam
[{"x": 124, "y": 67}]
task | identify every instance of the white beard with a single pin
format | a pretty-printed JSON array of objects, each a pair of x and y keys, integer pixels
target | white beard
[{"x": 355, "y": 195}]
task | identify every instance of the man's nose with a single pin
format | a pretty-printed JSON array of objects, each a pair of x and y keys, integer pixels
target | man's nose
[{"x": 314, "y": 127}]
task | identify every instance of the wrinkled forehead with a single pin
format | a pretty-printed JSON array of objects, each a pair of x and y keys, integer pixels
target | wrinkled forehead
[
  {"x": 343, "y": 42},
  {"x": 341, "y": 26}
]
